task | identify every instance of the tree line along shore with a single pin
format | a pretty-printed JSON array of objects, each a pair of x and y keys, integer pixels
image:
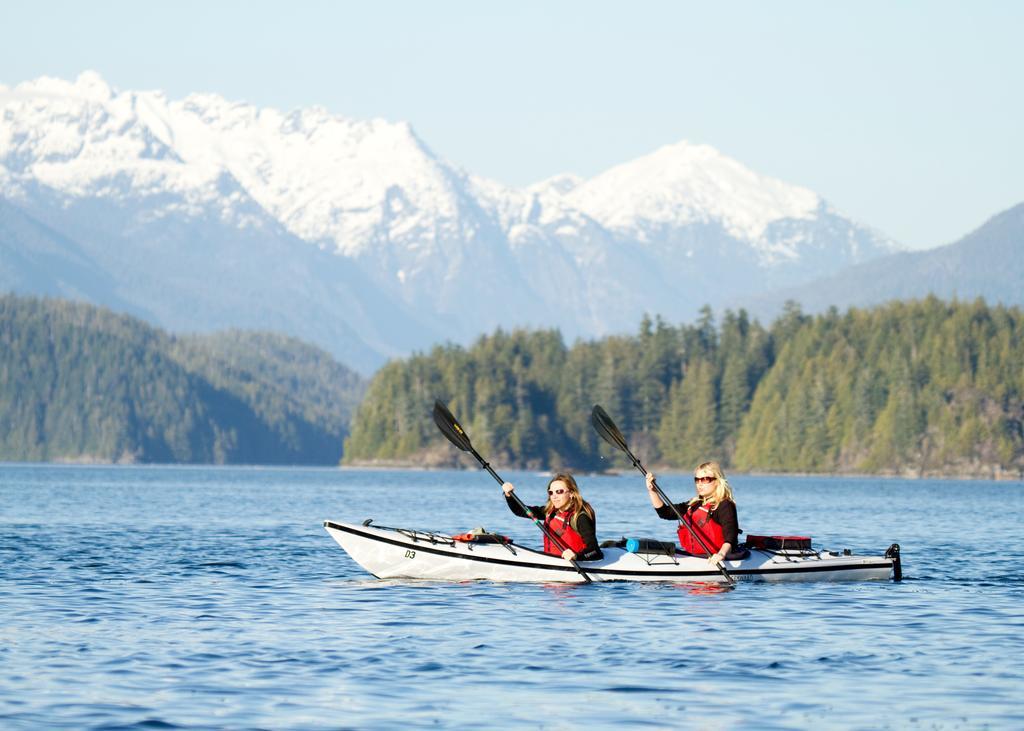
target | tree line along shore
[{"x": 916, "y": 388}]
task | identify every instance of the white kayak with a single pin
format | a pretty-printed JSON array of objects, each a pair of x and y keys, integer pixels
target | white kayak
[{"x": 399, "y": 553}]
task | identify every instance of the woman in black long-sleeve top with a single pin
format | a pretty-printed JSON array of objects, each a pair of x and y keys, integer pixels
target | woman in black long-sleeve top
[
  {"x": 711, "y": 527},
  {"x": 567, "y": 515}
]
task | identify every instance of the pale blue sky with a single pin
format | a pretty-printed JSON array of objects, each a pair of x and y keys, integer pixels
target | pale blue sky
[{"x": 906, "y": 116}]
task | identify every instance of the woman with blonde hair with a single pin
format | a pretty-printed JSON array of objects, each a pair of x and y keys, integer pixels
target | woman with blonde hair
[
  {"x": 567, "y": 515},
  {"x": 710, "y": 527}
]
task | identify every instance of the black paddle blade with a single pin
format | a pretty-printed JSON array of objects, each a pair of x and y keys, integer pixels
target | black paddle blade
[
  {"x": 450, "y": 427},
  {"x": 604, "y": 426}
]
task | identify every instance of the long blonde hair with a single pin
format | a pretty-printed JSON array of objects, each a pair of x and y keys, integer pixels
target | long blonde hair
[
  {"x": 722, "y": 490},
  {"x": 576, "y": 502}
]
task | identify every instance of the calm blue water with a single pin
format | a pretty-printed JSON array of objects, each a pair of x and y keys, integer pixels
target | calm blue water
[{"x": 213, "y": 598}]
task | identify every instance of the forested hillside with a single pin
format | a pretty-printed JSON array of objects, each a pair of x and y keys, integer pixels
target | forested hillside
[
  {"x": 298, "y": 390},
  {"x": 81, "y": 383},
  {"x": 924, "y": 387},
  {"x": 921, "y": 387},
  {"x": 526, "y": 398}
]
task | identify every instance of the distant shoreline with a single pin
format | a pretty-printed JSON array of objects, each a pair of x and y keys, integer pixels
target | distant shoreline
[
  {"x": 404, "y": 465},
  {"x": 996, "y": 476}
]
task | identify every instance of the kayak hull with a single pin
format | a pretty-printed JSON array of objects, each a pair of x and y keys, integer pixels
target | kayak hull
[{"x": 394, "y": 553}]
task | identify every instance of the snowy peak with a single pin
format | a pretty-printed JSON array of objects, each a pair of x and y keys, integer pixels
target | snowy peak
[
  {"x": 420, "y": 234},
  {"x": 89, "y": 86},
  {"x": 86, "y": 139},
  {"x": 684, "y": 183},
  {"x": 350, "y": 184},
  {"x": 324, "y": 177},
  {"x": 560, "y": 185}
]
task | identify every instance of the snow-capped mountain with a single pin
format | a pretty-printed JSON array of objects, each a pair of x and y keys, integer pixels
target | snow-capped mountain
[{"x": 206, "y": 213}]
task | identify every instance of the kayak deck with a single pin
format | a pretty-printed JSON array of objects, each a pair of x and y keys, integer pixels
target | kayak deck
[{"x": 389, "y": 553}]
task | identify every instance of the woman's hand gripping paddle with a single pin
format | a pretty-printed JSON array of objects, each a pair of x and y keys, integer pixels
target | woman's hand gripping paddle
[
  {"x": 455, "y": 434},
  {"x": 604, "y": 426}
]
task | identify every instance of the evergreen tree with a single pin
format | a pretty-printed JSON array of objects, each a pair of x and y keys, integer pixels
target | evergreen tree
[{"x": 688, "y": 434}]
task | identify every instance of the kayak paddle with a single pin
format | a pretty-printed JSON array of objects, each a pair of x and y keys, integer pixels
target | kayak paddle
[
  {"x": 604, "y": 426},
  {"x": 455, "y": 434}
]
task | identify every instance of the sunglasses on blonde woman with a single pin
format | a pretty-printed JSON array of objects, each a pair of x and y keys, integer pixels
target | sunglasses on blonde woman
[
  {"x": 704, "y": 478},
  {"x": 559, "y": 491}
]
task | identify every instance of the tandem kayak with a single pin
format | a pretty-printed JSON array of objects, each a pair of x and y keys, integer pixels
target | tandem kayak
[{"x": 400, "y": 553}]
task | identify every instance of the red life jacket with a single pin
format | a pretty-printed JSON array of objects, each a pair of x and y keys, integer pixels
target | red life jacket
[
  {"x": 698, "y": 517},
  {"x": 561, "y": 525}
]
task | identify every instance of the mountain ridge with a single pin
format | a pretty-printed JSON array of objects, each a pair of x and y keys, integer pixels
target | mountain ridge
[
  {"x": 83, "y": 383},
  {"x": 987, "y": 262},
  {"x": 451, "y": 253}
]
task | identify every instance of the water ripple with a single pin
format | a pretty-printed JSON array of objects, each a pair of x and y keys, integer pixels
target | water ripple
[{"x": 163, "y": 598}]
